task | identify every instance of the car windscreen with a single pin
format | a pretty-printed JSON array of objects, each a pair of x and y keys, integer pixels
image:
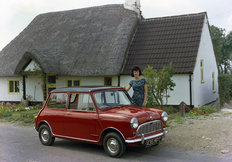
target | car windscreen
[{"x": 112, "y": 98}]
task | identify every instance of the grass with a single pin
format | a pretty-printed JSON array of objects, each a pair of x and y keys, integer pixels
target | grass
[
  {"x": 19, "y": 113},
  {"x": 173, "y": 114},
  {"x": 23, "y": 116}
]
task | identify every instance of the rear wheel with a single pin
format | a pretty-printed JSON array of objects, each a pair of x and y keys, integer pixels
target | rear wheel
[
  {"x": 114, "y": 145},
  {"x": 45, "y": 135}
]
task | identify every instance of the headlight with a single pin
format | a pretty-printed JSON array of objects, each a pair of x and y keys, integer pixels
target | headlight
[
  {"x": 134, "y": 123},
  {"x": 164, "y": 116}
]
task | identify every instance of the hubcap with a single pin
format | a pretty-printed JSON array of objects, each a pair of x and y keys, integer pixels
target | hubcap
[
  {"x": 112, "y": 145},
  {"x": 45, "y": 135}
]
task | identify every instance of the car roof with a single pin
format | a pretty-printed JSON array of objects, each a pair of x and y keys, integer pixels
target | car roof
[{"x": 84, "y": 89}]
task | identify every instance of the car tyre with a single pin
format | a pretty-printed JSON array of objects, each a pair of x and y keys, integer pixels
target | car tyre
[
  {"x": 45, "y": 135},
  {"x": 114, "y": 145}
]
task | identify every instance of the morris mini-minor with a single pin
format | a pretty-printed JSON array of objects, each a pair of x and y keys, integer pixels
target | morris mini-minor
[{"x": 101, "y": 115}]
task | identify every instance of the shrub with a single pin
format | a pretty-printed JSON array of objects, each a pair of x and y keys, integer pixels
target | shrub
[
  {"x": 225, "y": 88},
  {"x": 21, "y": 107},
  {"x": 159, "y": 85},
  {"x": 5, "y": 111},
  {"x": 167, "y": 109}
]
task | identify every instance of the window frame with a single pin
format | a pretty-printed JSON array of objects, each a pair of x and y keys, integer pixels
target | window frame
[
  {"x": 58, "y": 108},
  {"x": 14, "y": 80},
  {"x": 80, "y": 93},
  {"x": 202, "y": 70},
  {"x": 213, "y": 82},
  {"x": 72, "y": 82},
  {"x": 105, "y": 82}
]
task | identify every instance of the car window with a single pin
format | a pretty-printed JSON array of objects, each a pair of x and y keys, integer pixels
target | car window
[
  {"x": 111, "y": 98},
  {"x": 57, "y": 101},
  {"x": 81, "y": 102}
]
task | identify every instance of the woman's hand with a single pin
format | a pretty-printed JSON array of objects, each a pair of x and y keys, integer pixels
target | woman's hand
[{"x": 144, "y": 104}]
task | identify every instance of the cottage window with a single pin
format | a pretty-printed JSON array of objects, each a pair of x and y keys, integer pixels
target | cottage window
[
  {"x": 107, "y": 81},
  {"x": 13, "y": 86},
  {"x": 202, "y": 71},
  {"x": 213, "y": 82},
  {"x": 73, "y": 83}
]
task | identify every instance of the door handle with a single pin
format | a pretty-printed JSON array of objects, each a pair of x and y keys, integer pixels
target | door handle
[{"x": 68, "y": 113}]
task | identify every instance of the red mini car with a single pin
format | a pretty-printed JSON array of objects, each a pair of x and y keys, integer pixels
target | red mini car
[{"x": 101, "y": 115}]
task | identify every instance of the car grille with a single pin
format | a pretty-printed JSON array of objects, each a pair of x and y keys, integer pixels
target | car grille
[{"x": 149, "y": 127}]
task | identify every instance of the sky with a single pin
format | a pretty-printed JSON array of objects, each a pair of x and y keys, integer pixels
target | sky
[{"x": 17, "y": 14}]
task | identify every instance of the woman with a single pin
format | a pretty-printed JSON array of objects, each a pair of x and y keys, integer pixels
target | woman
[{"x": 139, "y": 86}]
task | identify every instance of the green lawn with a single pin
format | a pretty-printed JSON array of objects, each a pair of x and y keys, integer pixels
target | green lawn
[{"x": 25, "y": 117}]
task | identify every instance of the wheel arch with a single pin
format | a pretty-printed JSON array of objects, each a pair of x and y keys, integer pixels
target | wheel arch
[
  {"x": 46, "y": 123},
  {"x": 108, "y": 130}
]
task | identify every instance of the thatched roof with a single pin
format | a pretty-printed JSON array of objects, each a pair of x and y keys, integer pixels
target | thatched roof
[
  {"x": 84, "y": 42},
  {"x": 159, "y": 41}
]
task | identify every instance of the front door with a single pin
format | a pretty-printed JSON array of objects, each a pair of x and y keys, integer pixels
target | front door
[{"x": 51, "y": 82}]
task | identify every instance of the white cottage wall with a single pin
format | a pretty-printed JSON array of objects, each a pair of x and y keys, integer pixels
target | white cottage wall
[
  {"x": 124, "y": 82},
  {"x": 4, "y": 95},
  {"x": 34, "y": 83},
  {"x": 203, "y": 92},
  {"x": 84, "y": 81},
  {"x": 180, "y": 93}
]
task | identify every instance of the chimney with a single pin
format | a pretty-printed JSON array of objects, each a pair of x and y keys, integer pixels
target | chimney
[{"x": 133, "y": 5}]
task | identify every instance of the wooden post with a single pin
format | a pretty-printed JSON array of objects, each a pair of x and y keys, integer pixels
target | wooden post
[
  {"x": 182, "y": 109},
  {"x": 24, "y": 87}
]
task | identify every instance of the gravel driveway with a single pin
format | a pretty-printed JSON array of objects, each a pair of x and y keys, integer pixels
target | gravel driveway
[{"x": 204, "y": 134}]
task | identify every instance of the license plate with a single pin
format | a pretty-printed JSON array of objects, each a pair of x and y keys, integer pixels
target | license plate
[{"x": 151, "y": 142}]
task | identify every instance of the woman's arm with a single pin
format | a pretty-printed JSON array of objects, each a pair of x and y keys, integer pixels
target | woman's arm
[
  {"x": 128, "y": 88},
  {"x": 145, "y": 95}
]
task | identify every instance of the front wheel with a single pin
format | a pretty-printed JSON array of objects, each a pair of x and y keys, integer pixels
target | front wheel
[
  {"x": 45, "y": 135},
  {"x": 114, "y": 145}
]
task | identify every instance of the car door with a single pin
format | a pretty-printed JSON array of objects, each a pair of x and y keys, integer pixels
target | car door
[{"x": 81, "y": 119}]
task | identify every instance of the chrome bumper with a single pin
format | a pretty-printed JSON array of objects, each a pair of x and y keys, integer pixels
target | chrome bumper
[{"x": 142, "y": 139}]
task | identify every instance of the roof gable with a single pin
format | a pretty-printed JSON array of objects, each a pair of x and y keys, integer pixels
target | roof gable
[{"x": 159, "y": 41}]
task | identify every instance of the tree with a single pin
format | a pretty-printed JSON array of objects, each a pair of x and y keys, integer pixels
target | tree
[
  {"x": 159, "y": 84},
  {"x": 223, "y": 48}
]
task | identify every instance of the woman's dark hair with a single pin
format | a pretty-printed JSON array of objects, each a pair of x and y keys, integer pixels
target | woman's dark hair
[{"x": 135, "y": 68}]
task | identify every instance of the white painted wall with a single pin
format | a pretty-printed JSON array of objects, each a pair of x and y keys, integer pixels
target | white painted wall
[
  {"x": 180, "y": 93},
  {"x": 34, "y": 86},
  {"x": 202, "y": 92},
  {"x": 85, "y": 81},
  {"x": 124, "y": 82},
  {"x": 4, "y": 94}
]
